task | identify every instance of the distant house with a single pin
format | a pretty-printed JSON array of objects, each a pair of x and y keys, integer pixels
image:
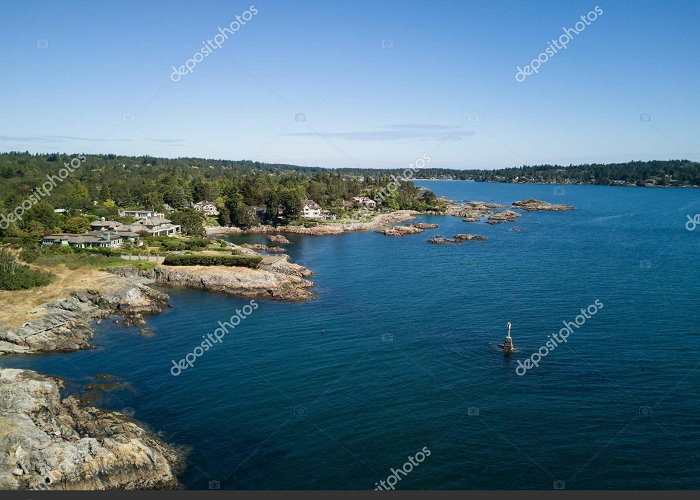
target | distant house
[
  {"x": 60, "y": 210},
  {"x": 328, "y": 215},
  {"x": 140, "y": 214},
  {"x": 105, "y": 225},
  {"x": 208, "y": 207},
  {"x": 154, "y": 226},
  {"x": 364, "y": 202},
  {"x": 259, "y": 212},
  {"x": 311, "y": 210}
]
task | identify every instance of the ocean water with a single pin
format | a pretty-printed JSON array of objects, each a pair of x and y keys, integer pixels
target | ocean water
[{"x": 398, "y": 352}]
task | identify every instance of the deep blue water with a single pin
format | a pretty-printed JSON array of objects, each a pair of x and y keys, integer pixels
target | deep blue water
[{"x": 400, "y": 344}]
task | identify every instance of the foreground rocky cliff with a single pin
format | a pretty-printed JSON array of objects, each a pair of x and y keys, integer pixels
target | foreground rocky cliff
[
  {"x": 49, "y": 443},
  {"x": 66, "y": 325}
]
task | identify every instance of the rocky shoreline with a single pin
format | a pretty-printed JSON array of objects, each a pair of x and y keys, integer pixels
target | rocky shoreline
[
  {"x": 379, "y": 221},
  {"x": 49, "y": 443},
  {"x": 278, "y": 279},
  {"x": 66, "y": 325},
  {"x": 53, "y": 444}
]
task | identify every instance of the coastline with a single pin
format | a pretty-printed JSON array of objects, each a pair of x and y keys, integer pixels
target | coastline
[
  {"x": 49, "y": 443},
  {"x": 377, "y": 222},
  {"x": 560, "y": 183}
]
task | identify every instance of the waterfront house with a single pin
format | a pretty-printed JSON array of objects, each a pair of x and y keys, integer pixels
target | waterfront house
[
  {"x": 154, "y": 226},
  {"x": 93, "y": 239},
  {"x": 311, "y": 209},
  {"x": 208, "y": 207}
]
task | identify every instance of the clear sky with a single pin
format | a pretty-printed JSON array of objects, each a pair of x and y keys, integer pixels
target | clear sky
[{"x": 379, "y": 82}]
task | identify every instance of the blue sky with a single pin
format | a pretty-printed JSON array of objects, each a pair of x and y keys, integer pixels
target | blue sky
[{"x": 379, "y": 82}]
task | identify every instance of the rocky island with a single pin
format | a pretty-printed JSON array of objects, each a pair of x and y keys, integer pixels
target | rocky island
[{"x": 398, "y": 231}]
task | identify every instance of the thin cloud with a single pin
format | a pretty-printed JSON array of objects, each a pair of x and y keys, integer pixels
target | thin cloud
[
  {"x": 397, "y": 133},
  {"x": 65, "y": 138}
]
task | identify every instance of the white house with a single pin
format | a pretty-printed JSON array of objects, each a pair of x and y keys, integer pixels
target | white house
[
  {"x": 207, "y": 207},
  {"x": 311, "y": 209}
]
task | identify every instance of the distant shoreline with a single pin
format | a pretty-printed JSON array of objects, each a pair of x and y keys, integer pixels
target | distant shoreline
[{"x": 684, "y": 186}]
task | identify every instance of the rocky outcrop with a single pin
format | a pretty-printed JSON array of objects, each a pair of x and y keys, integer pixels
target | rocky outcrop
[
  {"x": 457, "y": 238},
  {"x": 54, "y": 444},
  {"x": 276, "y": 280},
  {"x": 259, "y": 247},
  {"x": 505, "y": 216},
  {"x": 277, "y": 238},
  {"x": 398, "y": 231},
  {"x": 461, "y": 238},
  {"x": 66, "y": 325},
  {"x": 532, "y": 205},
  {"x": 471, "y": 209},
  {"x": 438, "y": 240}
]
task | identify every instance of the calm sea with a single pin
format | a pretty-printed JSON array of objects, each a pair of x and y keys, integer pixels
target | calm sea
[{"x": 399, "y": 353}]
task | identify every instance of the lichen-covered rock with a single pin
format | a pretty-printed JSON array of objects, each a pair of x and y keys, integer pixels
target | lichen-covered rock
[
  {"x": 66, "y": 325},
  {"x": 46, "y": 443},
  {"x": 277, "y": 238},
  {"x": 505, "y": 216},
  {"x": 460, "y": 238},
  {"x": 532, "y": 205}
]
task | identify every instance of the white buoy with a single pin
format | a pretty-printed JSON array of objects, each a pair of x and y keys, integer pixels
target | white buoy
[{"x": 508, "y": 346}]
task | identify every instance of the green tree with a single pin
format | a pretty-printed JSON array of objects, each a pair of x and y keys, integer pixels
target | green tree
[
  {"x": 191, "y": 222},
  {"x": 77, "y": 224}
]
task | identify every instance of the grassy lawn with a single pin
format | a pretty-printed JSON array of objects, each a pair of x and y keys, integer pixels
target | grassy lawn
[{"x": 92, "y": 261}]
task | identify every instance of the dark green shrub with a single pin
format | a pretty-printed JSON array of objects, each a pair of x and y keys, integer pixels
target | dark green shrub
[{"x": 213, "y": 260}]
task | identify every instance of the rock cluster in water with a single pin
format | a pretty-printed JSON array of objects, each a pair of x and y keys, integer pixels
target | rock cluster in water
[
  {"x": 532, "y": 205},
  {"x": 457, "y": 238},
  {"x": 398, "y": 231}
]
